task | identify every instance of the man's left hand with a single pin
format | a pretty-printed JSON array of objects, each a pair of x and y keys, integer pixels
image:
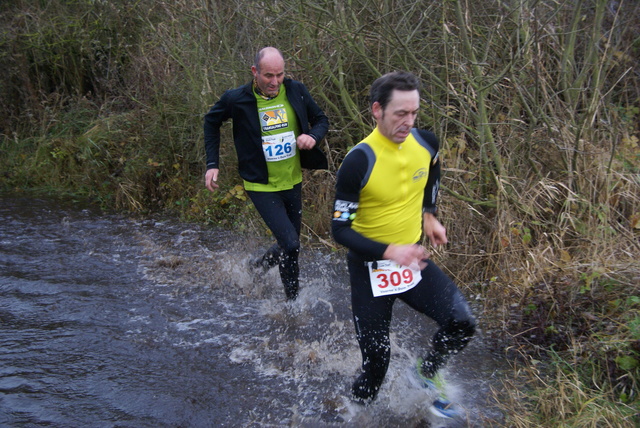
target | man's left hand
[
  {"x": 305, "y": 142},
  {"x": 434, "y": 230}
]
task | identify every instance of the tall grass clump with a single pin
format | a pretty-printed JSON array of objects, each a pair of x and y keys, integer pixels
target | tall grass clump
[{"x": 536, "y": 104}]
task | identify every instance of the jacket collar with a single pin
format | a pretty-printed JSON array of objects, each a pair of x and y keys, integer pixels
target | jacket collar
[{"x": 248, "y": 88}]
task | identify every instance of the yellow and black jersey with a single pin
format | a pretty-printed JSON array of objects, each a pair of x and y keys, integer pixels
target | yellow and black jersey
[{"x": 382, "y": 190}]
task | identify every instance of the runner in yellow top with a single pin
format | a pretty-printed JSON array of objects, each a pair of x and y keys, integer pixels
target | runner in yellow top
[
  {"x": 394, "y": 188},
  {"x": 386, "y": 193}
]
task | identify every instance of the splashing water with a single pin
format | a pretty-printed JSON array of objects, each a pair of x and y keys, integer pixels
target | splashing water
[{"x": 107, "y": 320}]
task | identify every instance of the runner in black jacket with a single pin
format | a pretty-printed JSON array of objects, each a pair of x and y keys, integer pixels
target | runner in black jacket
[{"x": 276, "y": 130}]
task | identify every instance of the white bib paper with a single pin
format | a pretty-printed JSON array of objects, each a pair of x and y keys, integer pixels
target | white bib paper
[
  {"x": 391, "y": 278},
  {"x": 279, "y": 147}
]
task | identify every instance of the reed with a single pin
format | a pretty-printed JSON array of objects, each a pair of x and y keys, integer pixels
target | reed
[{"x": 535, "y": 103}]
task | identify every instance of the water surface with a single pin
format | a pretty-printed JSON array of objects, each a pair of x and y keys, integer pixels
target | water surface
[{"x": 112, "y": 321}]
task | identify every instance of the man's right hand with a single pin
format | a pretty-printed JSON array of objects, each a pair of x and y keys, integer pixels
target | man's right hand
[
  {"x": 413, "y": 255},
  {"x": 211, "y": 179}
]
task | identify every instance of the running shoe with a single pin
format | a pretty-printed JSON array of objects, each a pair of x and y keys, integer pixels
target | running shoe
[
  {"x": 441, "y": 405},
  {"x": 262, "y": 264},
  {"x": 435, "y": 383},
  {"x": 443, "y": 409},
  {"x": 256, "y": 264},
  {"x": 269, "y": 259}
]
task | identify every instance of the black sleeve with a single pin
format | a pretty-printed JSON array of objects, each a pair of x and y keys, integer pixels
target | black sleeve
[
  {"x": 212, "y": 122},
  {"x": 318, "y": 120},
  {"x": 348, "y": 185},
  {"x": 432, "y": 187}
]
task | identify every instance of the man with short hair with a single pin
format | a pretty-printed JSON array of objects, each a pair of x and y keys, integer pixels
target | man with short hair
[
  {"x": 385, "y": 199},
  {"x": 276, "y": 130}
]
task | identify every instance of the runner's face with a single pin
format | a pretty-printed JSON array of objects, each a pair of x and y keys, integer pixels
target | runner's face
[
  {"x": 397, "y": 119},
  {"x": 271, "y": 74}
]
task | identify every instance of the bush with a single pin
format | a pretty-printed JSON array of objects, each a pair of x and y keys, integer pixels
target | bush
[{"x": 535, "y": 104}]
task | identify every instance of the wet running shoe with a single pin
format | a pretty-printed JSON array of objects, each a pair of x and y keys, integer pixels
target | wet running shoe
[
  {"x": 435, "y": 383},
  {"x": 263, "y": 263},
  {"x": 256, "y": 264},
  {"x": 441, "y": 405},
  {"x": 443, "y": 409}
]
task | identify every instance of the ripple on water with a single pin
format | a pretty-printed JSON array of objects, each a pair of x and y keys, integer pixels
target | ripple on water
[{"x": 107, "y": 320}]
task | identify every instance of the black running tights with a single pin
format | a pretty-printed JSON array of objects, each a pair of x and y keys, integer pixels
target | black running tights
[
  {"x": 282, "y": 213},
  {"x": 435, "y": 296}
]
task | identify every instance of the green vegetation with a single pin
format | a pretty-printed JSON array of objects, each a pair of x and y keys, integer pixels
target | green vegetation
[{"x": 536, "y": 102}]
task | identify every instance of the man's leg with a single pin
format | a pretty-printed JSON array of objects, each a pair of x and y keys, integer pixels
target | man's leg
[
  {"x": 282, "y": 213},
  {"x": 372, "y": 317},
  {"x": 289, "y": 266},
  {"x": 438, "y": 297}
]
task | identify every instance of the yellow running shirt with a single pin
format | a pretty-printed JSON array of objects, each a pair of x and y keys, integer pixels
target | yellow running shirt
[{"x": 388, "y": 207}]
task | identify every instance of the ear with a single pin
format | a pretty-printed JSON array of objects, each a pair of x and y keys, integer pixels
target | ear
[
  {"x": 376, "y": 110},
  {"x": 254, "y": 70}
]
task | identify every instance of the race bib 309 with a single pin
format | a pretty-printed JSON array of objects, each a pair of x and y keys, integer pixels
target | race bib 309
[{"x": 388, "y": 277}]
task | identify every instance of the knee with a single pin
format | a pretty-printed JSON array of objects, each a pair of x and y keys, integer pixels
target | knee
[
  {"x": 454, "y": 336},
  {"x": 457, "y": 332},
  {"x": 291, "y": 247},
  {"x": 463, "y": 323}
]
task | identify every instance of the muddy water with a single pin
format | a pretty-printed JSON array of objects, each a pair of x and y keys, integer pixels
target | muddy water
[{"x": 112, "y": 321}]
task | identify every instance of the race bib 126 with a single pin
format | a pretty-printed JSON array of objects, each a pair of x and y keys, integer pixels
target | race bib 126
[
  {"x": 279, "y": 147},
  {"x": 388, "y": 277}
]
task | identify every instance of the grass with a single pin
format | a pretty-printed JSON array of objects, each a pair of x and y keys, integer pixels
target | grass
[{"x": 536, "y": 106}]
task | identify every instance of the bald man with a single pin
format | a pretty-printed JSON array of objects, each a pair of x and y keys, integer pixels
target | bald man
[{"x": 277, "y": 127}]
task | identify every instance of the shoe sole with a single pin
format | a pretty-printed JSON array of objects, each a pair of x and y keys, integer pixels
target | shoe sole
[{"x": 450, "y": 414}]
